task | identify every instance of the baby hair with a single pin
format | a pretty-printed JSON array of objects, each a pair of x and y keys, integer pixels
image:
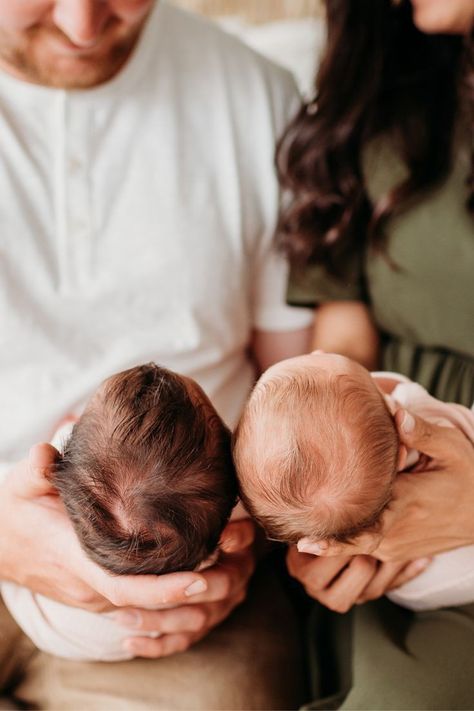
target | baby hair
[
  {"x": 315, "y": 455},
  {"x": 147, "y": 475}
]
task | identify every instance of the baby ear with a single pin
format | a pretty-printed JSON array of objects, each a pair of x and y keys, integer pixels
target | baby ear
[
  {"x": 31, "y": 477},
  {"x": 41, "y": 460}
]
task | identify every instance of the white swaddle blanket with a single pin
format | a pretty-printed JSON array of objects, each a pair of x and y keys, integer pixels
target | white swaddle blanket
[
  {"x": 449, "y": 579},
  {"x": 76, "y": 634},
  {"x": 66, "y": 631}
]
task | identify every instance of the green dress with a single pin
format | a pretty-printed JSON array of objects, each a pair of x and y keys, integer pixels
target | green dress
[
  {"x": 380, "y": 656},
  {"x": 425, "y": 307}
]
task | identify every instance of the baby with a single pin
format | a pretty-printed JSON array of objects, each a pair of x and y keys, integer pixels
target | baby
[
  {"x": 317, "y": 451},
  {"x": 148, "y": 482}
]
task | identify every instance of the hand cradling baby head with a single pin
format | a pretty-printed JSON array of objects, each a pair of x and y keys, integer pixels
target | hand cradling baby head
[
  {"x": 147, "y": 475},
  {"x": 316, "y": 450}
]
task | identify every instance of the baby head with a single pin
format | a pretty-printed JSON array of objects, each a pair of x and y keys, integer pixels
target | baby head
[
  {"x": 316, "y": 450},
  {"x": 147, "y": 475}
]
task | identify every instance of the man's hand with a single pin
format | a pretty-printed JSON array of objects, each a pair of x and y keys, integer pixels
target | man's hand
[
  {"x": 39, "y": 549},
  {"x": 182, "y": 626},
  {"x": 341, "y": 582},
  {"x": 432, "y": 510}
]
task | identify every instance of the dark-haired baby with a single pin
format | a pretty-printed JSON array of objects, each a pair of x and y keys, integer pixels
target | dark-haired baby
[{"x": 147, "y": 479}]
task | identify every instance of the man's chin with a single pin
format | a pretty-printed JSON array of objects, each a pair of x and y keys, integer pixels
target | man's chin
[
  {"x": 47, "y": 61},
  {"x": 67, "y": 74},
  {"x": 73, "y": 72}
]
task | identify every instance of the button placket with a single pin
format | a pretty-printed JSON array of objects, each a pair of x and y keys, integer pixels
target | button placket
[{"x": 74, "y": 223}]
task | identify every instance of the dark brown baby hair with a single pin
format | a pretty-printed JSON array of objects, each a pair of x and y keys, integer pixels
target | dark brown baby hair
[{"x": 147, "y": 475}]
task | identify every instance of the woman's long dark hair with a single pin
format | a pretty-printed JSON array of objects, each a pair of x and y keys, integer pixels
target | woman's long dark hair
[{"x": 379, "y": 75}]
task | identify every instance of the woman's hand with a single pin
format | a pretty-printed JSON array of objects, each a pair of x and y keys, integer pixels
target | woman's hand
[
  {"x": 432, "y": 510},
  {"x": 343, "y": 581},
  {"x": 39, "y": 550}
]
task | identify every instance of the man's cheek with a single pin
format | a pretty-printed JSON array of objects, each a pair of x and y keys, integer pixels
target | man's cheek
[
  {"x": 130, "y": 11},
  {"x": 18, "y": 15}
]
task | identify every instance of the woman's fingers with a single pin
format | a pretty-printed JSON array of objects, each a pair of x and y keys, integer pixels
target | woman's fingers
[
  {"x": 410, "y": 571},
  {"x": 344, "y": 592},
  {"x": 314, "y": 573},
  {"x": 439, "y": 443},
  {"x": 364, "y": 544},
  {"x": 391, "y": 575}
]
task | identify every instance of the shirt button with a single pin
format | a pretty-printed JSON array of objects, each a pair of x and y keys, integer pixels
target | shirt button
[{"x": 74, "y": 165}]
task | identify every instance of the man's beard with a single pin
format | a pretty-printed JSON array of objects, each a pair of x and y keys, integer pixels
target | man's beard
[{"x": 30, "y": 57}]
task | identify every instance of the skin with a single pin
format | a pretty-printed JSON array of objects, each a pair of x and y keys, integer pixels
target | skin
[
  {"x": 345, "y": 579},
  {"x": 418, "y": 521},
  {"x": 46, "y": 557},
  {"x": 351, "y": 332},
  {"x": 441, "y": 17},
  {"x": 79, "y": 44},
  {"x": 417, "y": 524},
  {"x": 73, "y": 44}
]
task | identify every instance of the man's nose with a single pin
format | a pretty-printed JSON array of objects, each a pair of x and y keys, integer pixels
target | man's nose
[{"x": 82, "y": 21}]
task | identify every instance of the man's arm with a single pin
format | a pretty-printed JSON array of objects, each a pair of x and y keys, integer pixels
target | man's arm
[{"x": 269, "y": 347}]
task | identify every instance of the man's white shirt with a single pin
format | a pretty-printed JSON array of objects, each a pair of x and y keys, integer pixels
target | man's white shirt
[{"x": 137, "y": 223}]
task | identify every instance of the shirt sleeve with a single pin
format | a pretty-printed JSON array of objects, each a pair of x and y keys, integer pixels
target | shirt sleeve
[
  {"x": 270, "y": 271},
  {"x": 313, "y": 285},
  {"x": 271, "y": 312}
]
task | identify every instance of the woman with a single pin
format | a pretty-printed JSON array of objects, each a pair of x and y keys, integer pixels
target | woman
[{"x": 380, "y": 232}]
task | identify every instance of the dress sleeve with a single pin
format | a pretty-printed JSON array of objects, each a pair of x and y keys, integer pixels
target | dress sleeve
[{"x": 313, "y": 285}]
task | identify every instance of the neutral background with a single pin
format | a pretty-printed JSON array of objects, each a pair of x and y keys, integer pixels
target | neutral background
[
  {"x": 256, "y": 10},
  {"x": 290, "y": 32}
]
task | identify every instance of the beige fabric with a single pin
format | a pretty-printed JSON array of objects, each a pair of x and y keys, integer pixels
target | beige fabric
[
  {"x": 256, "y": 10},
  {"x": 252, "y": 661},
  {"x": 15, "y": 652}
]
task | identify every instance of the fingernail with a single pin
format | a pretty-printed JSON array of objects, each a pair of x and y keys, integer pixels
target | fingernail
[
  {"x": 305, "y": 546},
  {"x": 127, "y": 618},
  {"x": 408, "y": 423},
  {"x": 198, "y": 586},
  {"x": 308, "y": 547}
]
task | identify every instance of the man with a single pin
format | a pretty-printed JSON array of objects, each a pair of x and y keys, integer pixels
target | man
[{"x": 138, "y": 204}]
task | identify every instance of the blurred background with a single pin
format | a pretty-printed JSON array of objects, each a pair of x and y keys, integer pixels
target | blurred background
[{"x": 290, "y": 32}]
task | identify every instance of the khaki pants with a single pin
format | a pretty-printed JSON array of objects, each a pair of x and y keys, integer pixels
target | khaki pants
[{"x": 251, "y": 661}]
